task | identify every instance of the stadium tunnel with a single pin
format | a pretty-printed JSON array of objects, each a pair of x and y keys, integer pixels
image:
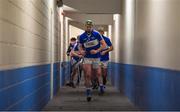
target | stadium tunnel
[{"x": 144, "y": 66}]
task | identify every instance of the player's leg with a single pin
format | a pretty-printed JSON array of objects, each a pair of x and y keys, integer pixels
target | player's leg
[
  {"x": 87, "y": 76},
  {"x": 97, "y": 70},
  {"x": 104, "y": 72}
]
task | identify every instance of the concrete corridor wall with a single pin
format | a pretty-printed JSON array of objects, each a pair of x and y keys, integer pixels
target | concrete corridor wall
[
  {"x": 26, "y": 32},
  {"x": 149, "y": 68}
]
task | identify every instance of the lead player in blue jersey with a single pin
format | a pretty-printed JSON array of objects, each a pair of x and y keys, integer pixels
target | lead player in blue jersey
[
  {"x": 91, "y": 43},
  {"x": 105, "y": 55}
]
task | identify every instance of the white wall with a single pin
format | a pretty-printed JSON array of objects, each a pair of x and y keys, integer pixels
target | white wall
[
  {"x": 127, "y": 31},
  {"x": 74, "y": 31},
  {"x": 115, "y": 39},
  {"x": 25, "y": 33},
  {"x": 66, "y": 38},
  {"x": 62, "y": 34},
  {"x": 156, "y": 34}
]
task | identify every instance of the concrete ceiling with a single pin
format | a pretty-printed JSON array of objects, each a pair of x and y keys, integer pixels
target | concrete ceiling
[
  {"x": 99, "y": 11},
  {"x": 98, "y": 19},
  {"x": 93, "y": 6}
]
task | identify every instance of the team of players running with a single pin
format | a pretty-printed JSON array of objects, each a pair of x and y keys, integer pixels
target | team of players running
[{"x": 93, "y": 48}]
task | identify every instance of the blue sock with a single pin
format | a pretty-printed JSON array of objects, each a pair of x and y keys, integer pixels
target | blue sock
[
  {"x": 88, "y": 92},
  {"x": 101, "y": 87}
]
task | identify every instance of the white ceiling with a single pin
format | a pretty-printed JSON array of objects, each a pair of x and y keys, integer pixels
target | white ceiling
[
  {"x": 98, "y": 19},
  {"x": 93, "y": 6},
  {"x": 99, "y": 11},
  {"x": 69, "y": 9}
]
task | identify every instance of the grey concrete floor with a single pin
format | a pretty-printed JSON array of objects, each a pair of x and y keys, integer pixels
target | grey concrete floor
[{"x": 74, "y": 99}]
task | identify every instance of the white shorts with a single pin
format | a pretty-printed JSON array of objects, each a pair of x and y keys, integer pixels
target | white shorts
[
  {"x": 104, "y": 64},
  {"x": 94, "y": 61}
]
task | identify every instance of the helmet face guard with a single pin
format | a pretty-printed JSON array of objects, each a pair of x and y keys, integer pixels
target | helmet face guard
[{"x": 89, "y": 22}]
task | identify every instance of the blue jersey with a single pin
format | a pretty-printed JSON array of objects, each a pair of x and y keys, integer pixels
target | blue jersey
[
  {"x": 91, "y": 42},
  {"x": 76, "y": 48},
  {"x": 108, "y": 44},
  {"x": 69, "y": 49}
]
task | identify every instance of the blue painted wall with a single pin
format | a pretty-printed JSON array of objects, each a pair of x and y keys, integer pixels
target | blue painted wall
[
  {"x": 56, "y": 78},
  {"x": 149, "y": 88},
  {"x": 64, "y": 73},
  {"x": 27, "y": 88},
  {"x": 113, "y": 70}
]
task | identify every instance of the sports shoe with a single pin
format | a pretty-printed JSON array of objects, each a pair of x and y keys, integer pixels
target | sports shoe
[
  {"x": 72, "y": 85},
  {"x": 101, "y": 90},
  {"x": 88, "y": 94}
]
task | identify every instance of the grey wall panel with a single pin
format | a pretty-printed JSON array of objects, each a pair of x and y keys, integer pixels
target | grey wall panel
[
  {"x": 25, "y": 32},
  {"x": 152, "y": 37},
  {"x": 157, "y": 33}
]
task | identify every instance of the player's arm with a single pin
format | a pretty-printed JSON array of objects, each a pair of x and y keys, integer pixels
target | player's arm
[
  {"x": 68, "y": 50},
  {"x": 108, "y": 42},
  {"x": 103, "y": 45},
  {"x": 109, "y": 49},
  {"x": 81, "y": 50},
  {"x": 75, "y": 53}
]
